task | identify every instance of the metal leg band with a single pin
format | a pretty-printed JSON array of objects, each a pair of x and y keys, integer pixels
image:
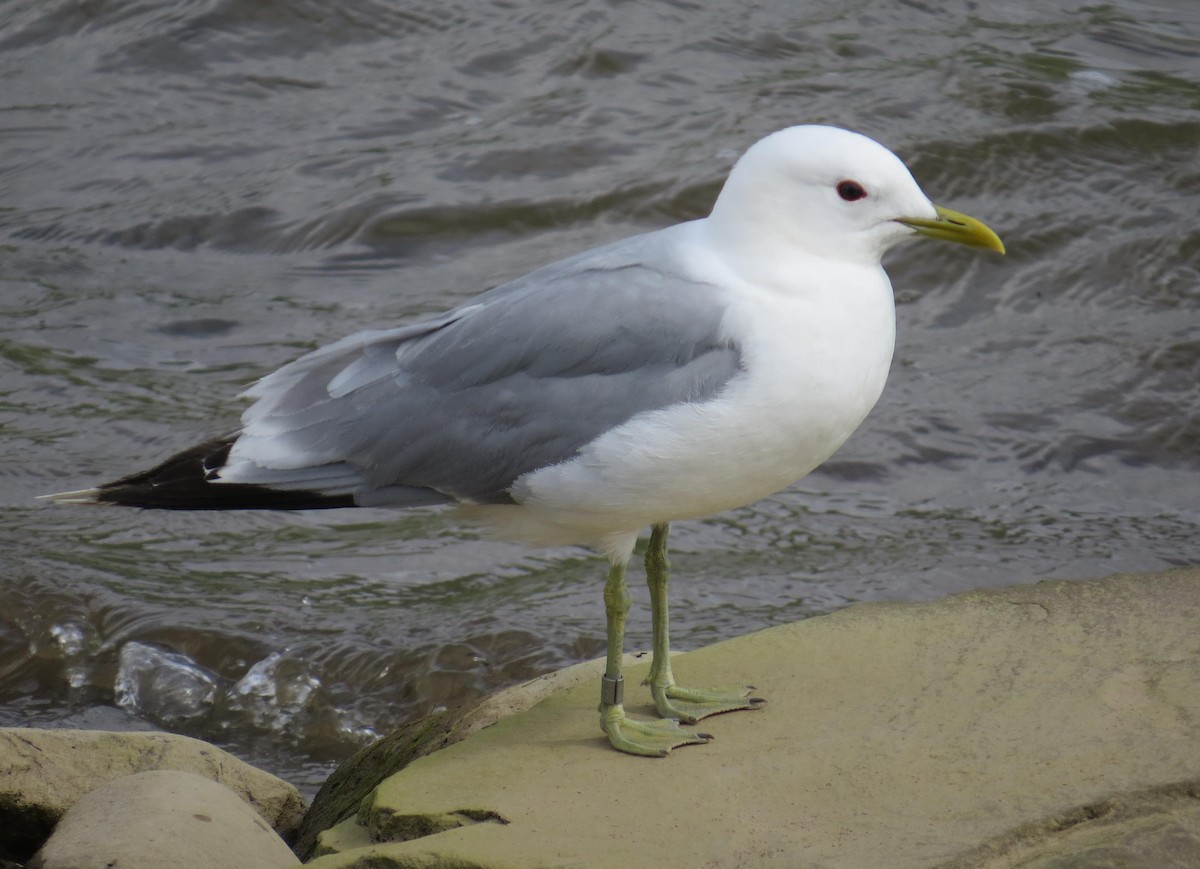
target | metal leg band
[{"x": 612, "y": 691}]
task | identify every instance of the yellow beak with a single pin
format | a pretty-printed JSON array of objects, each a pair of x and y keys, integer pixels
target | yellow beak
[{"x": 952, "y": 226}]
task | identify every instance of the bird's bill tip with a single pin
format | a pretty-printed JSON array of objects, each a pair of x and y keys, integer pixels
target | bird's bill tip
[{"x": 954, "y": 226}]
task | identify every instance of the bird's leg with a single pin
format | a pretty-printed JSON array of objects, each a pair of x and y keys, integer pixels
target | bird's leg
[
  {"x": 648, "y": 738},
  {"x": 685, "y": 704}
]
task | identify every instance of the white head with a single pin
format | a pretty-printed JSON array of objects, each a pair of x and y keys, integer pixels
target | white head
[{"x": 831, "y": 193}]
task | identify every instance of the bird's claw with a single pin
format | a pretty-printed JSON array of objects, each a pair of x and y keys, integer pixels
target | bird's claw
[
  {"x": 689, "y": 705},
  {"x": 647, "y": 738}
]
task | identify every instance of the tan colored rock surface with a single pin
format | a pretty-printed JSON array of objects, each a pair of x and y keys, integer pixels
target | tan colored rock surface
[
  {"x": 1158, "y": 828},
  {"x": 154, "y": 820},
  {"x": 43, "y": 773},
  {"x": 340, "y": 796},
  {"x": 986, "y": 729}
]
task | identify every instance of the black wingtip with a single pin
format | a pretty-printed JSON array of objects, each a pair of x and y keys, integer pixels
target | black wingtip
[{"x": 185, "y": 482}]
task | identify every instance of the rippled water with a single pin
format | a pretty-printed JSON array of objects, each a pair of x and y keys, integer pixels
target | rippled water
[{"x": 196, "y": 192}]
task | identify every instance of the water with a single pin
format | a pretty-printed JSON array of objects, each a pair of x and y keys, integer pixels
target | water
[{"x": 196, "y": 192}]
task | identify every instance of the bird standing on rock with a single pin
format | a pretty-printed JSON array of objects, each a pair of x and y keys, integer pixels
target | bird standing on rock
[{"x": 671, "y": 375}]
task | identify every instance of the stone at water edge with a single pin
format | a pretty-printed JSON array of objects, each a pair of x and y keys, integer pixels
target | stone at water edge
[
  {"x": 43, "y": 773},
  {"x": 1056, "y": 721},
  {"x": 163, "y": 818}
]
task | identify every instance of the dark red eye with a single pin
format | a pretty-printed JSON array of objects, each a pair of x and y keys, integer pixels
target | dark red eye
[{"x": 851, "y": 191}]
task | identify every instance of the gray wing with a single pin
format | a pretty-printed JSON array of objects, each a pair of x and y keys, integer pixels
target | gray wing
[{"x": 460, "y": 406}]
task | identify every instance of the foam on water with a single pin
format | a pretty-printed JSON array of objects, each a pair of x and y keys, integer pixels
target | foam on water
[{"x": 164, "y": 687}]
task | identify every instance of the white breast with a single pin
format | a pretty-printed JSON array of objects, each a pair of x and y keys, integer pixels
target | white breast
[{"x": 815, "y": 358}]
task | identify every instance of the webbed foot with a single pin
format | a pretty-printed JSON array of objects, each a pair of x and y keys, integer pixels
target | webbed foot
[
  {"x": 689, "y": 705},
  {"x": 645, "y": 737}
]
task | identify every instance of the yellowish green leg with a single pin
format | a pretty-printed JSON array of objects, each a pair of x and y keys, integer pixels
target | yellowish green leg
[
  {"x": 648, "y": 738},
  {"x": 684, "y": 704}
]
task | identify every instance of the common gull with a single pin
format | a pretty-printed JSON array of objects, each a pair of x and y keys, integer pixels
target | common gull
[{"x": 671, "y": 375}]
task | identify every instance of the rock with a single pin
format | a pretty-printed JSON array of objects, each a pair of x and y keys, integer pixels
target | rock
[
  {"x": 1158, "y": 828},
  {"x": 43, "y": 773},
  {"x": 152, "y": 820},
  {"x": 343, "y": 792},
  {"x": 1048, "y": 725},
  {"x": 340, "y": 795}
]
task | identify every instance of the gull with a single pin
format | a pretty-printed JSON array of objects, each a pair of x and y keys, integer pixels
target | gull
[{"x": 668, "y": 376}]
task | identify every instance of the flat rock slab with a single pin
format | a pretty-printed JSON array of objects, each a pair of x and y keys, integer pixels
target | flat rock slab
[
  {"x": 154, "y": 820},
  {"x": 1026, "y": 726}
]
